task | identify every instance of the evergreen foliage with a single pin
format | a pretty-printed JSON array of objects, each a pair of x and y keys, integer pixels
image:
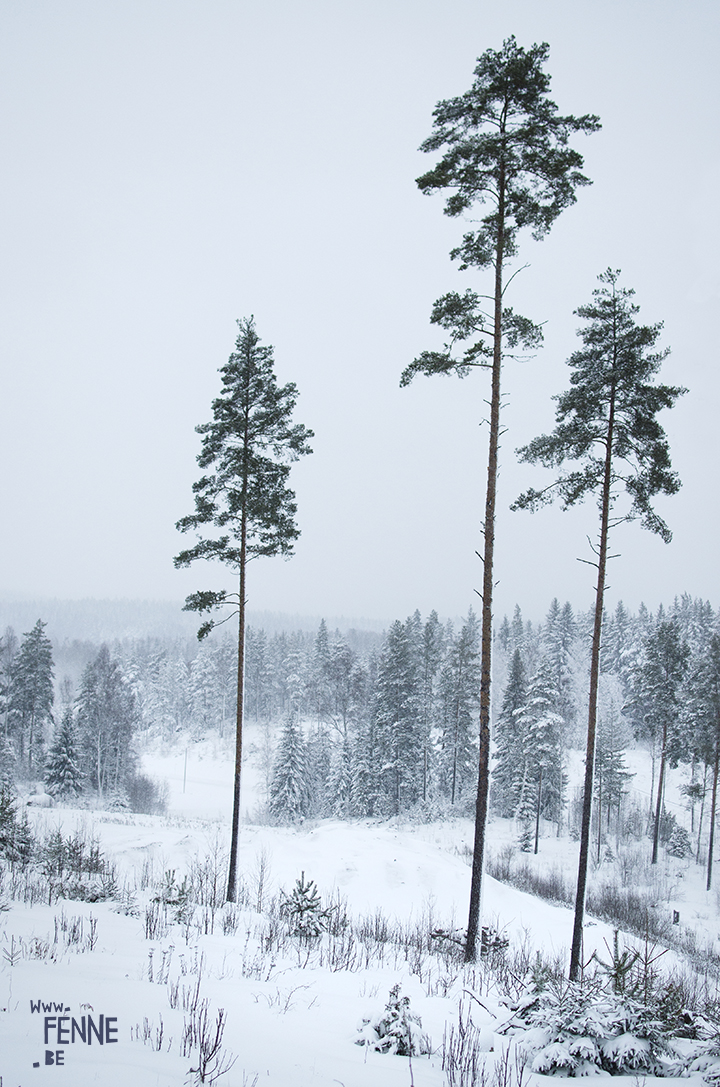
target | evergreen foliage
[
  {"x": 608, "y": 423},
  {"x": 702, "y": 714},
  {"x": 247, "y": 450},
  {"x": 666, "y": 660},
  {"x": 106, "y": 718},
  {"x": 63, "y": 776},
  {"x": 506, "y": 148},
  {"x": 397, "y": 733},
  {"x": 31, "y": 696},
  {"x": 396, "y": 1030},
  {"x": 611, "y": 773},
  {"x": 543, "y": 784},
  {"x": 303, "y": 909},
  {"x": 459, "y": 697},
  {"x": 290, "y": 786},
  {"x": 507, "y": 771}
]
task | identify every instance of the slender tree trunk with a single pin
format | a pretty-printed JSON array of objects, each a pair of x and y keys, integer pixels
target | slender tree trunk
[
  {"x": 599, "y": 838},
  {"x": 713, "y": 809},
  {"x": 576, "y": 948},
  {"x": 232, "y": 871},
  {"x": 702, "y": 813},
  {"x": 658, "y": 803},
  {"x": 481, "y": 804},
  {"x": 537, "y": 812},
  {"x": 652, "y": 780},
  {"x": 455, "y": 748}
]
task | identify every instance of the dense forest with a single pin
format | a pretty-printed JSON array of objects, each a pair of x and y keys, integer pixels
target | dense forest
[{"x": 359, "y": 724}]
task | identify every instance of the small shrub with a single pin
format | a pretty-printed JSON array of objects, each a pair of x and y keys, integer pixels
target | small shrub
[
  {"x": 395, "y": 1030},
  {"x": 303, "y": 910},
  {"x": 679, "y": 844},
  {"x": 573, "y": 1030},
  {"x": 526, "y": 840}
]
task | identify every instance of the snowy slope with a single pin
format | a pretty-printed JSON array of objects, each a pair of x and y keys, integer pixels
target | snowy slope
[{"x": 291, "y": 1019}]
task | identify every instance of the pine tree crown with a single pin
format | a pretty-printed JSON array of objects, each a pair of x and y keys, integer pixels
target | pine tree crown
[{"x": 613, "y": 397}]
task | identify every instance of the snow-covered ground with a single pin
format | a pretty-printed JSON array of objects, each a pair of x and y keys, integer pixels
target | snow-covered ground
[{"x": 292, "y": 1019}]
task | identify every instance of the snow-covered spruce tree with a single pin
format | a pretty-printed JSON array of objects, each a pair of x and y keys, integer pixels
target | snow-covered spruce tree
[
  {"x": 7, "y": 764},
  {"x": 106, "y": 719},
  {"x": 348, "y": 691},
  {"x": 432, "y": 653},
  {"x": 702, "y": 715},
  {"x": 542, "y": 790},
  {"x": 318, "y": 756},
  {"x": 31, "y": 697},
  {"x": 396, "y": 729},
  {"x": 204, "y": 692},
  {"x": 340, "y": 780},
  {"x": 318, "y": 687},
  {"x": 63, "y": 776},
  {"x": 617, "y": 654},
  {"x": 459, "y": 698},
  {"x": 247, "y": 450},
  {"x": 303, "y": 909},
  {"x": 8, "y": 651},
  {"x": 607, "y": 421},
  {"x": 290, "y": 788},
  {"x": 506, "y": 147},
  {"x": 258, "y": 675},
  {"x": 347, "y": 681},
  {"x": 557, "y": 643},
  {"x": 611, "y": 773},
  {"x": 509, "y": 740},
  {"x": 666, "y": 660}
]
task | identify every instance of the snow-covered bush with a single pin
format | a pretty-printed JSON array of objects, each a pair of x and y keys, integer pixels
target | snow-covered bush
[
  {"x": 574, "y": 1030},
  {"x": 303, "y": 909},
  {"x": 395, "y": 1030},
  {"x": 525, "y": 840},
  {"x": 679, "y": 844},
  {"x": 172, "y": 893}
]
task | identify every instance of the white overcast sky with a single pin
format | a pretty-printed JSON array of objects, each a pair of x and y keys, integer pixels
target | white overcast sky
[{"x": 169, "y": 167}]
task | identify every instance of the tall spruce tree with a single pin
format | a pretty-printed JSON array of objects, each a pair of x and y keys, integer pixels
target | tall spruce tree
[
  {"x": 507, "y": 147},
  {"x": 608, "y": 422},
  {"x": 611, "y": 772},
  {"x": 541, "y": 756},
  {"x": 507, "y": 771},
  {"x": 106, "y": 718},
  {"x": 396, "y": 731},
  {"x": 433, "y": 647},
  {"x": 290, "y": 785},
  {"x": 247, "y": 450},
  {"x": 63, "y": 776},
  {"x": 459, "y": 694},
  {"x": 666, "y": 660},
  {"x": 702, "y": 711},
  {"x": 31, "y": 696},
  {"x": 8, "y": 650}
]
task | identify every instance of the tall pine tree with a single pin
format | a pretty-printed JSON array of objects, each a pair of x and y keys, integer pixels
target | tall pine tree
[
  {"x": 607, "y": 421},
  {"x": 506, "y": 147},
  {"x": 247, "y": 450}
]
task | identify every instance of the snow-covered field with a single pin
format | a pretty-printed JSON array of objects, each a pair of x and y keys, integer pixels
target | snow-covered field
[{"x": 292, "y": 1016}]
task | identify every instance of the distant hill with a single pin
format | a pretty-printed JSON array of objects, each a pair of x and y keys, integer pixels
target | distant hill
[{"x": 107, "y": 620}]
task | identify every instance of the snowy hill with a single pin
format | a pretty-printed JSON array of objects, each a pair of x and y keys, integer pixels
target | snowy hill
[{"x": 292, "y": 1010}]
